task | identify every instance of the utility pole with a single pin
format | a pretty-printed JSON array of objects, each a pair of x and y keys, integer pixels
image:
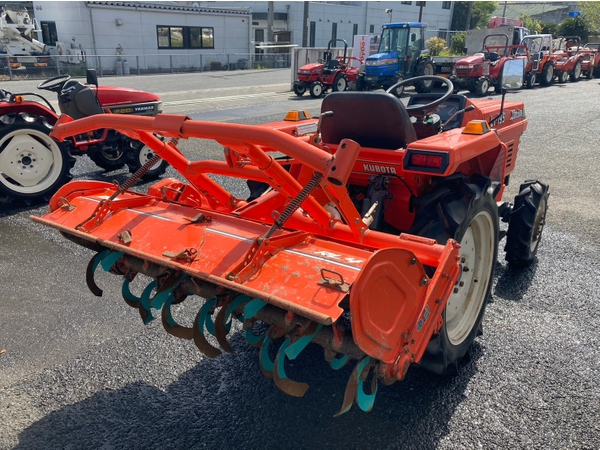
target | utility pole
[
  {"x": 421, "y": 11},
  {"x": 270, "y": 15},
  {"x": 305, "y": 26}
]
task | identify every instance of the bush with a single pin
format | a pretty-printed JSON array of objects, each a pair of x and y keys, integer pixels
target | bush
[
  {"x": 436, "y": 45},
  {"x": 459, "y": 41}
]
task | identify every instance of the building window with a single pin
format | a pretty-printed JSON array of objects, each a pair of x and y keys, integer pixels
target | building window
[
  {"x": 406, "y": 3},
  {"x": 421, "y": 4},
  {"x": 334, "y": 31},
  {"x": 371, "y": 28},
  {"x": 446, "y": 5},
  {"x": 259, "y": 35},
  {"x": 185, "y": 37},
  {"x": 354, "y": 31},
  {"x": 49, "y": 34},
  {"x": 313, "y": 33}
]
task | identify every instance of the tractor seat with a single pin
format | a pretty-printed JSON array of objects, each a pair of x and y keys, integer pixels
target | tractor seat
[
  {"x": 331, "y": 66},
  {"x": 492, "y": 56},
  {"x": 78, "y": 100},
  {"x": 372, "y": 119}
]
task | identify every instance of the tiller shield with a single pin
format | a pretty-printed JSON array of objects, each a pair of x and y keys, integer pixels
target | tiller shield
[{"x": 300, "y": 260}]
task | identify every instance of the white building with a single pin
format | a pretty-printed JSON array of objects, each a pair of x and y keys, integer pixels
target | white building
[{"x": 189, "y": 35}]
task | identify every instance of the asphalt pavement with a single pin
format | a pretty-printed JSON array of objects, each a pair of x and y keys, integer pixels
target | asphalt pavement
[{"x": 83, "y": 372}]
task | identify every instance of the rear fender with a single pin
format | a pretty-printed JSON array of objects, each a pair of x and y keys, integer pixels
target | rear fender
[{"x": 31, "y": 108}]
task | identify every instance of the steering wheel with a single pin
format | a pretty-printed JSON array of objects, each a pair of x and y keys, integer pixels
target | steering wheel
[
  {"x": 421, "y": 111},
  {"x": 54, "y": 84}
]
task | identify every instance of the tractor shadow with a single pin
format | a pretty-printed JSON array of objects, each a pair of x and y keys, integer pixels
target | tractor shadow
[
  {"x": 513, "y": 283},
  {"x": 226, "y": 403}
]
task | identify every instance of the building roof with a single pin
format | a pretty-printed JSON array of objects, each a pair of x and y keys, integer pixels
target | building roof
[{"x": 172, "y": 7}]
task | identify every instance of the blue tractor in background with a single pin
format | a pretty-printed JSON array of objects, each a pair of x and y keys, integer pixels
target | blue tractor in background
[{"x": 402, "y": 54}]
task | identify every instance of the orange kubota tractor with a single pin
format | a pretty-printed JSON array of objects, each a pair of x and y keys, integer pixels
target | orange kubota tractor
[{"x": 377, "y": 238}]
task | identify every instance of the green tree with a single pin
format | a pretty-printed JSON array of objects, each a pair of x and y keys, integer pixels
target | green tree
[
  {"x": 480, "y": 14},
  {"x": 550, "y": 28},
  {"x": 435, "y": 45},
  {"x": 458, "y": 43},
  {"x": 574, "y": 26},
  {"x": 590, "y": 14},
  {"x": 535, "y": 26}
]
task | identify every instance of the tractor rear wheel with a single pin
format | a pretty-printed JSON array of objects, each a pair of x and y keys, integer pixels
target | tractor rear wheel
[
  {"x": 109, "y": 160},
  {"x": 299, "y": 89},
  {"x": 139, "y": 155},
  {"x": 340, "y": 84},
  {"x": 32, "y": 164},
  {"x": 547, "y": 75},
  {"x": 316, "y": 90},
  {"x": 576, "y": 74},
  {"x": 466, "y": 211},
  {"x": 427, "y": 68},
  {"x": 526, "y": 223},
  {"x": 482, "y": 87}
]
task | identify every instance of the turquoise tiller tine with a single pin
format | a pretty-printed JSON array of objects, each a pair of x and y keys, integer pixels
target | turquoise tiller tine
[
  {"x": 280, "y": 359},
  {"x": 159, "y": 299},
  {"x": 145, "y": 308},
  {"x": 294, "y": 349},
  {"x": 130, "y": 298},
  {"x": 91, "y": 270},
  {"x": 110, "y": 260},
  {"x": 204, "y": 319},
  {"x": 238, "y": 301},
  {"x": 365, "y": 401},
  {"x": 266, "y": 364},
  {"x": 252, "y": 307},
  {"x": 339, "y": 361}
]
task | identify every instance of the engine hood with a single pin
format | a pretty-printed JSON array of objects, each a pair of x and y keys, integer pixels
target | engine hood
[
  {"x": 111, "y": 95},
  {"x": 477, "y": 58},
  {"x": 380, "y": 57},
  {"x": 310, "y": 67}
]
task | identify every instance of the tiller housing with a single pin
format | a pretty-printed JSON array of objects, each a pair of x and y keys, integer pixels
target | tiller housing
[{"x": 373, "y": 244}]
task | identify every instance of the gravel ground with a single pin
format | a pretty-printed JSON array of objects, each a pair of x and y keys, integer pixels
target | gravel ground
[{"x": 83, "y": 372}]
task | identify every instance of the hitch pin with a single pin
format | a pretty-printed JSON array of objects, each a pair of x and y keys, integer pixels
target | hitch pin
[{"x": 368, "y": 219}]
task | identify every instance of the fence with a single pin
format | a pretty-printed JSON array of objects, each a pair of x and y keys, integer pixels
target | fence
[{"x": 42, "y": 67}]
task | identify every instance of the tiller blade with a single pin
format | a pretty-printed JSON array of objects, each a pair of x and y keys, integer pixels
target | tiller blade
[{"x": 282, "y": 265}]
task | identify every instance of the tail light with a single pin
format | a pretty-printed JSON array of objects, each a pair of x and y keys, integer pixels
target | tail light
[{"x": 422, "y": 161}]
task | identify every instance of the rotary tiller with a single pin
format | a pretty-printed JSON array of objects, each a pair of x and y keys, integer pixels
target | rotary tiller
[{"x": 376, "y": 238}]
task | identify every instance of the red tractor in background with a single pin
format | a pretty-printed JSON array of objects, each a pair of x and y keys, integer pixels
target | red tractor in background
[
  {"x": 33, "y": 165},
  {"x": 569, "y": 59},
  {"x": 330, "y": 73},
  {"x": 539, "y": 59},
  {"x": 479, "y": 72},
  {"x": 594, "y": 49}
]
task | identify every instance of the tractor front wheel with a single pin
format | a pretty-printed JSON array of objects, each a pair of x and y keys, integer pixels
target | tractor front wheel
[
  {"x": 140, "y": 155},
  {"x": 576, "y": 74},
  {"x": 526, "y": 223},
  {"x": 109, "y": 160},
  {"x": 531, "y": 81},
  {"x": 547, "y": 75},
  {"x": 299, "y": 89},
  {"x": 482, "y": 87},
  {"x": 340, "y": 84},
  {"x": 467, "y": 212},
  {"x": 427, "y": 68},
  {"x": 563, "y": 77},
  {"x": 32, "y": 164},
  {"x": 316, "y": 89}
]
